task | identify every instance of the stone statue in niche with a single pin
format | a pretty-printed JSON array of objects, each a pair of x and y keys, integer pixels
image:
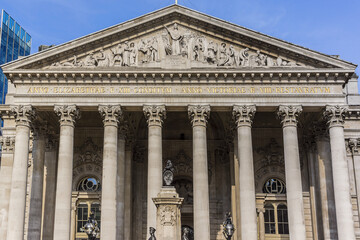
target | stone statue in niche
[
  {"x": 175, "y": 38},
  {"x": 212, "y": 53}
]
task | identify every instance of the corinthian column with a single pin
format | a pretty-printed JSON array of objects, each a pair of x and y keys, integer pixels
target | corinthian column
[
  {"x": 344, "y": 217},
  {"x": 155, "y": 116},
  {"x": 37, "y": 178},
  {"x": 243, "y": 117},
  {"x": 23, "y": 117},
  {"x": 328, "y": 211},
  {"x": 111, "y": 116},
  {"x": 67, "y": 115},
  {"x": 120, "y": 189},
  {"x": 294, "y": 194},
  {"x": 199, "y": 116}
]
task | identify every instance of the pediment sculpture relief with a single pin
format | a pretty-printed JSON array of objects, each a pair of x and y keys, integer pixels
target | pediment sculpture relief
[{"x": 175, "y": 46}]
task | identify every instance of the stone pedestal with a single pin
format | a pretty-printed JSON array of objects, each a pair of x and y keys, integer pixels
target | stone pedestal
[{"x": 168, "y": 217}]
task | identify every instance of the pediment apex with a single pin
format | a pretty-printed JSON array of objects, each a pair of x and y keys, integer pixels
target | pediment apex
[{"x": 208, "y": 42}]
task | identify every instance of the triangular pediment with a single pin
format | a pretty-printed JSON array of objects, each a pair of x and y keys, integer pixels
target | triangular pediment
[{"x": 176, "y": 38}]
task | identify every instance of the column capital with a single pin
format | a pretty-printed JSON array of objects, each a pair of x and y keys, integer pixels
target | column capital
[
  {"x": 335, "y": 115},
  {"x": 244, "y": 114},
  {"x": 24, "y": 114},
  {"x": 68, "y": 114},
  {"x": 260, "y": 210},
  {"x": 111, "y": 114},
  {"x": 7, "y": 144},
  {"x": 288, "y": 114},
  {"x": 154, "y": 114},
  {"x": 199, "y": 114}
]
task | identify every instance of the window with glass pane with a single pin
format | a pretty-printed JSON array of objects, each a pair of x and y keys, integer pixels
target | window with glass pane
[
  {"x": 269, "y": 219},
  {"x": 12, "y": 24},
  {"x": 95, "y": 209},
  {"x": 17, "y": 29},
  {"x": 282, "y": 215},
  {"x": 5, "y": 18},
  {"x": 274, "y": 186},
  {"x": 82, "y": 215}
]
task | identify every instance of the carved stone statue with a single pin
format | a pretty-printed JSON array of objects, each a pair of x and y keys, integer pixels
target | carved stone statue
[
  {"x": 90, "y": 60},
  {"x": 212, "y": 53},
  {"x": 175, "y": 38},
  {"x": 260, "y": 59},
  {"x": 143, "y": 51},
  {"x": 153, "y": 50},
  {"x": 133, "y": 54},
  {"x": 126, "y": 54},
  {"x": 199, "y": 50},
  {"x": 223, "y": 58},
  {"x": 104, "y": 59},
  {"x": 168, "y": 173},
  {"x": 244, "y": 57},
  {"x": 231, "y": 56},
  {"x": 187, "y": 233},
  {"x": 117, "y": 55},
  {"x": 152, "y": 233}
]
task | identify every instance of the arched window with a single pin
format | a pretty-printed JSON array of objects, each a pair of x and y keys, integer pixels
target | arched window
[
  {"x": 89, "y": 184},
  {"x": 270, "y": 219},
  {"x": 274, "y": 186},
  {"x": 276, "y": 219}
]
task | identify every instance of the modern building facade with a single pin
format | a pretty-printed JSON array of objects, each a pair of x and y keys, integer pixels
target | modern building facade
[
  {"x": 14, "y": 42},
  {"x": 253, "y": 125}
]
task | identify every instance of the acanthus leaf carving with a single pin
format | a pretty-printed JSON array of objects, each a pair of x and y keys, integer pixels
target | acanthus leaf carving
[
  {"x": 335, "y": 115},
  {"x": 289, "y": 114},
  {"x": 154, "y": 114},
  {"x": 199, "y": 114},
  {"x": 68, "y": 114},
  {"x": 24, "y": 114}
]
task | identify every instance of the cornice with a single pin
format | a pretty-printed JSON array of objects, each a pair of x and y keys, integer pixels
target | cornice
[{"x": 222, "y": 75}]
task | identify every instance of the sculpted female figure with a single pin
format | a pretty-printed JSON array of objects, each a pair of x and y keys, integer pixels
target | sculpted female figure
[{"x": 176, "y": 37}]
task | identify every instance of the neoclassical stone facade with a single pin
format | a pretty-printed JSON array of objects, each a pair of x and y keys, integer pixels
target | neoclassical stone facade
[{"x": 253, "y": 125}]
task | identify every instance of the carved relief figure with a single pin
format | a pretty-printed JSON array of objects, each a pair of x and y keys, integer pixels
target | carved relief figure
[
  {"x": 126, "y": 54},
  {"x": 143, "y": 51},
  {"x": 260, "y": 59},
  {"x": 90, "y": 60},
  {"x": 244, "y": 57},
  {"x": 133, "y": 54},
  {"x": 104, "y": 59},
  {"x": 184, "y": 48},
  {"x": 231, "y": 56},
  {"x": 167, "y": 216},
  {"x": 153, "y": 50},
  {"x": 199, "y": 50},
  {"x": 212, "y": 53},
  {"x": 223, "y": 58},
  {"x": 175, "y": 37},
  {"x": 117, "y": 55}
]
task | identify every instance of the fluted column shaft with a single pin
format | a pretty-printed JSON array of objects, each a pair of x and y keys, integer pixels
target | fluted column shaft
[
  {"x": 111, "y": 116},
  {"x": 155, "y": 116},
  {"x": 243, "y": 116},
  {"x": 24, "y": 115},
  {"x": 328, "y": 211},
  {"x": 37, "y": 178},
  {"x": 67, "y": 115},
  {"x": 121, "y": 184},
  {"x": 50, "y": 187},
  {"x": 7, "y": 159},
  {"x": 294, "y": 194},
  {"x": 344, "y": 216},
  {"x": 199, "y": 116}
]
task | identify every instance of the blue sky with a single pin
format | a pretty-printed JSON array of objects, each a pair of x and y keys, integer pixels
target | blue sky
[{"x": 327, "y": 26}]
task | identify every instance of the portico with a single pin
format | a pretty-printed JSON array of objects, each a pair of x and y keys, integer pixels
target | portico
[{"x": 235, "y": 115}]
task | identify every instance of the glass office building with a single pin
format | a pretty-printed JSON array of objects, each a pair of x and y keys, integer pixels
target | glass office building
[{"x": 14, "y": 42}]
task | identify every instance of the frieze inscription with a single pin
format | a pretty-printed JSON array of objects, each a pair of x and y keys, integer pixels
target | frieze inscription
[{"x": 179, "y": 90}]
